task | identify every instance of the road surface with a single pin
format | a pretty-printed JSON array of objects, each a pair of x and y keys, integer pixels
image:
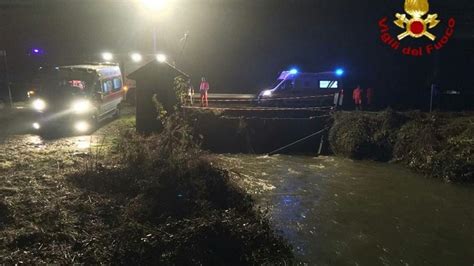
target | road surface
[{"x": 36, "y": 200}]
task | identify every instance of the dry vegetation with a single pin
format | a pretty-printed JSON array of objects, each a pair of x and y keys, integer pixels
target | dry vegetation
[
  {"x": 439, "y": 144},
  {"x": 131, "y": 200}
]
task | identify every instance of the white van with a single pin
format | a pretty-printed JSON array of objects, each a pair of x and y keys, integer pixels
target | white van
[
  {"x": 295, "y": 89},
  {"x": 77, "y": 97}
]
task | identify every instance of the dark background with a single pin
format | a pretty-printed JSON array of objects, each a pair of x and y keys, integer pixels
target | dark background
[{"x": 242, "y": 45}]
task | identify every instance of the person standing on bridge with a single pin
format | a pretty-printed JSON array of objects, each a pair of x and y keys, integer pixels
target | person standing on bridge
[
  {"x": 357, "y": 97},
  {"x": 203, "y": 88}
]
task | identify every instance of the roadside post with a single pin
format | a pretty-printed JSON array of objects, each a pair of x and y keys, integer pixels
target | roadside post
[
  {"x": 340, "y": 95},
  {"x": 433, "y": 87},
  {"x": 3, "y": 53}
]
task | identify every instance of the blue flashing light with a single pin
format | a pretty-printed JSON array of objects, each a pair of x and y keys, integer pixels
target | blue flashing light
[
  {"x": 294, "y": 71},
  {"x": 339, "y": 71},
  {"x": 36, "y": 51}
]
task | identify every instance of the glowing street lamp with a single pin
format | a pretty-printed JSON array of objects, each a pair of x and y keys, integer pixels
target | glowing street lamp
[
  {"x": 155, "y": 5},
  {"x": 155, "y": 9},
  {"x": 107, "y": 56},
  {"x": 161, "y": 58},
  {"x": 136, "y": 57}
]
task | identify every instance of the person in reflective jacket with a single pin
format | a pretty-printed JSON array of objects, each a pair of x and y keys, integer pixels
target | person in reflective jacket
[
  {"x": 357, "y": 97},
  {"x": 203, "y": 88}
]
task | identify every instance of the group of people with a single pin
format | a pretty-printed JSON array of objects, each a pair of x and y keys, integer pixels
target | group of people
[
  {"x": 362, "y": 97},
  {"x": 203, "y": 89}
]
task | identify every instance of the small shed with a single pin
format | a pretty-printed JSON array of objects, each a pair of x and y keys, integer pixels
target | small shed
[{"x": 154, "y": 78}]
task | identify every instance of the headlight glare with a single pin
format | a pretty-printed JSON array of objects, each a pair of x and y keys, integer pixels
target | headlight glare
[
  {"x": 82, "y": 126},
  {"x": 81, "y": 106},
  {"x": 39, "y": 105},
  {"x": 267, "y": 93}
]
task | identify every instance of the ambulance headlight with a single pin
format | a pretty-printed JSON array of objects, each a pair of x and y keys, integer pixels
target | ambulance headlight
[
  {"x": 39, "y": 105},
  {"x": 81, "y": 106},
  {"x": 267, "y": 93},
  {"x": 82, "y": 126}
]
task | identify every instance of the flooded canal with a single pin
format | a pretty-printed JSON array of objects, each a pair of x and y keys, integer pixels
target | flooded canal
[{"x": 342, "y": 212}]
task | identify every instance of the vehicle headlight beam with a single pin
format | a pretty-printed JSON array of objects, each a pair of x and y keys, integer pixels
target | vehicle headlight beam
[
  {"x": 39, "y": 104},
  {"x": 82, "y": 126},
  {"x": 267, "y": 93},
  {"x": 81, "y": 106}
]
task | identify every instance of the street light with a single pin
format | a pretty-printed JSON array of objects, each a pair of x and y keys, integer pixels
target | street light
[
  {"x": 107, "y": 56},
  {"x": 161, "y": 58},
  {"x": 155, "y": 10},
  {"x": 136, "y": 57},
  {"x": 155, "y": 5}
]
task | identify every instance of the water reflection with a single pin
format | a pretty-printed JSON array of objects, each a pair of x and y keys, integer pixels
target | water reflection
[{"x": 337, "y": 211}]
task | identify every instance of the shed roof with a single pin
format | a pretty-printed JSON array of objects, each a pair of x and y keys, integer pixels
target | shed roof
[{"x": 153, "y": 67}]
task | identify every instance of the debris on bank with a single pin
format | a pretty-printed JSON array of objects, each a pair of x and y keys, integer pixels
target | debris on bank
[
  {"x": 437, "y": 144},
  {"x": 130, "y": 200},
  {"x": 175, "y": 207}
]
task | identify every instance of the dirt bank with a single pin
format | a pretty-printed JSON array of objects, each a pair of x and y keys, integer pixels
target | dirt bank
[
  {"x": 438, "y": 144},
  {"x": 43, "y": 218},
  {"x": 247, "y": 131},
  {"x": 126, "y": 200}
]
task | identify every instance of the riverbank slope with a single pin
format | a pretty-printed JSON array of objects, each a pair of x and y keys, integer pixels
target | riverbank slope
[
  {"x": 117, "y": 197},
  {"x": 437, "y": 144}
]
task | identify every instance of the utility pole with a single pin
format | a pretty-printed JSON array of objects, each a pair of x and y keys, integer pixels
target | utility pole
[
  {"x": 433, "y": 91},
  {"x": 184, "y": 40},
  {"x": 155, "y": 29},
  {"x": 7, "y": 80},
  {"x": 124, "y": 77}
]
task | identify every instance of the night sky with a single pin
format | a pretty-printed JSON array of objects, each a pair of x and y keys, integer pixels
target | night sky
[{"x": 241, "y": 45}]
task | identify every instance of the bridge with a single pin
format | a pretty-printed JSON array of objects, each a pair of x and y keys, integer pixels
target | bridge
[
  {"x": 238, "y": 123},
  {"x": 251, "y": 101}
]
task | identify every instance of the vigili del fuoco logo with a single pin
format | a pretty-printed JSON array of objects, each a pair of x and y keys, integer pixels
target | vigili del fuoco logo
[{"x": 418, "y": 23}]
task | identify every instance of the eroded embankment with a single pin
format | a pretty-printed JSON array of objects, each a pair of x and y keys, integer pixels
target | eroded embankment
[
  {"x": 129, "y": 199},
  {"x": 257, "y": 132},
  {"x": 438, "y": 144}
]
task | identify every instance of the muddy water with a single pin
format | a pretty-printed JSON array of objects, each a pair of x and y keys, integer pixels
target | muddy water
[{"x": 337, "y": 211}]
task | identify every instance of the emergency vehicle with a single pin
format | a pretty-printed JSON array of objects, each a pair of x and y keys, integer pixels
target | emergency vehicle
[
  {"x": 304, "y": 89},
  {"x": 76, "y": 97}
]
